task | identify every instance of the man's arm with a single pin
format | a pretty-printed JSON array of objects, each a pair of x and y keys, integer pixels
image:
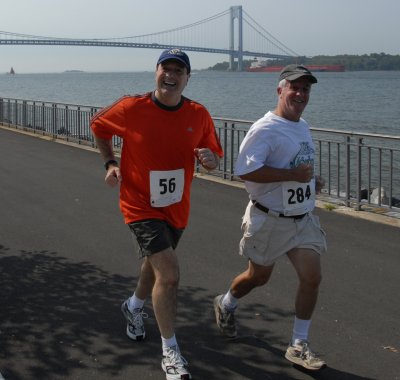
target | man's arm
[
  {"x": 105, "y": 148},
  {"x": 113, "y": 176},
  {"x": 266, "y": 174}
]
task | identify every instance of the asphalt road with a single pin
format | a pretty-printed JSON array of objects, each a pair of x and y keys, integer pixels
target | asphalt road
[{"x": 67, "y": 263}]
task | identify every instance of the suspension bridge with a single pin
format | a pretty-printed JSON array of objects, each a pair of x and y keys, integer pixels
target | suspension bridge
[{"x": 245, "y": 38}]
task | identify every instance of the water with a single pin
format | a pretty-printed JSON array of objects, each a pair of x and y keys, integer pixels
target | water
[{"x": 366, "y": 102}]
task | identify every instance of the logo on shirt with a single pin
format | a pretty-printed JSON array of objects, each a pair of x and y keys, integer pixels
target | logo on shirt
[{"x": 304, "y": 156}]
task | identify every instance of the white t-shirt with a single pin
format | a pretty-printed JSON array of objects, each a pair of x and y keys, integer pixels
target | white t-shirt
[{"x": 279, "y": 143}]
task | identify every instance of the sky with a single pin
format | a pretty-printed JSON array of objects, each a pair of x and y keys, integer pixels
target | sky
[{"x": 309, "y": 27}]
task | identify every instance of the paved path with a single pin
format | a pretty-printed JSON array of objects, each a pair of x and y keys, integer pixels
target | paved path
[{"x": 66, "y": 264}]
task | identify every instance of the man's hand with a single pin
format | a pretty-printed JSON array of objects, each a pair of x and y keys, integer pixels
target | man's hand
[
  {"x": 303, "y": 173},
  {"x": 207, "y": 158},
  {"x": 113, "y": 176},
  {"x": 319, "y": 183}
]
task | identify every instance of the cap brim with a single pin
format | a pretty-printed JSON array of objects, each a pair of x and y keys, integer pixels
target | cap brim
[
  {"x": 174, "y": 59},
  {"x": 301, "y": 75}
]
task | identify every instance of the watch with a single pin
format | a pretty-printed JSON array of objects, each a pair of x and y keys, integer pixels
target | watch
[{"x": 110, "y": 162}]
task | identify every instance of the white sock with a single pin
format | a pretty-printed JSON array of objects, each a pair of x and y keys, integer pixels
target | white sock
[
  {"x": 300, "y": 329},
  {"x": 170, "y": 342},
  {"x": 229, "y": 302},
  {"x": 135, "y": 303}
]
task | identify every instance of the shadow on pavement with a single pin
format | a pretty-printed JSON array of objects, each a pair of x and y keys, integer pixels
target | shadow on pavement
[
  {"x": 331, "y": 374},
  {"x": 59, "y": 317}
]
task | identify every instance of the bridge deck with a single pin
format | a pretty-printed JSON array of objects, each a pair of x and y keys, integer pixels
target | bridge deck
[{"x": 66, "y": 264}]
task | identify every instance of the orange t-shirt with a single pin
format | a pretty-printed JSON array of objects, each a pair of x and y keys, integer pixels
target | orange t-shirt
[{"x": 157, "y": 158}]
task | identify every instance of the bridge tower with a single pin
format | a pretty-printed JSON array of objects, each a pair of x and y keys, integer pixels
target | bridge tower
[{"x": 236, "y": 13}]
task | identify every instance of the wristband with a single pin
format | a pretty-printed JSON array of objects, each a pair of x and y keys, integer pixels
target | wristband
[{"x": 110, "y": 162}]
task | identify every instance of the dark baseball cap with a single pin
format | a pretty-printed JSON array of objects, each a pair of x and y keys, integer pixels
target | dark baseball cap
[
  {"x": 293, "y": 72},
  {"x": 176, "y": 54}
]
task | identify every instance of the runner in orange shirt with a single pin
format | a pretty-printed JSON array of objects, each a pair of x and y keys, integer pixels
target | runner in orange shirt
[{"x": 163, "y": 133}]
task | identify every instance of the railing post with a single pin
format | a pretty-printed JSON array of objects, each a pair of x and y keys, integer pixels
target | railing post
[
  {"x": 391, "y": 179},
  {"x": 224, "y": 166},
  {"x": 44, "y": 118},
  {"x": 231, "y": 153},
  {"x": 359, "y": 170},
  {"x": 92, "y": 113},
  {"x": 338, "y": 169},
  {"x": 54, "y": 119},
  {"x": 369, "y": 174},
  {"x": 320, "y": 158},
  {"x": 9, "y": 112},
  {"x": 34, "y": 116},
  {"x": 347, "y": 144},
  {"x": 329, "y": 170},
  {"x": 380, "y": 178},
  {"x": 67, "y": 131},
  {"x": 24, "y": 111},
  {"x": 1, "y": 111},
  {"x": 16, "y": 113},
  {"x": 78, "y": 115}
]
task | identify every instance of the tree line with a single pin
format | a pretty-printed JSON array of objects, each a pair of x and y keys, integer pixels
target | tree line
[{"x": 365, "y": 62}]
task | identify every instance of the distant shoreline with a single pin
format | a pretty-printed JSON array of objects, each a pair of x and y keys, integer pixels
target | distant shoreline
[{"x": 365, "y": 62}]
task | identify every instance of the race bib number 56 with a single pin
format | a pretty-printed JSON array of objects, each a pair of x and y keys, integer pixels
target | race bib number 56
[{"x": 166, "y": 187}]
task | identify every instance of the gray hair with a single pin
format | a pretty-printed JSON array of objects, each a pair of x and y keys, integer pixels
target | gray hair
[{"x": 283, "y": 83}]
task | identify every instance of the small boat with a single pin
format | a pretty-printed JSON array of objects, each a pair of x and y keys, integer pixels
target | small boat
[
  {"x": 262, "y": 66},
  {"x": 12, "y": 72}
]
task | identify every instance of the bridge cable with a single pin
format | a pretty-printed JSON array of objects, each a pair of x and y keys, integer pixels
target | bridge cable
[{"x": 285, "y": 48}]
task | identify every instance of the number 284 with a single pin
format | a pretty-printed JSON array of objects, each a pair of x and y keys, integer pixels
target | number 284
[{"x": 299, "y": 195}]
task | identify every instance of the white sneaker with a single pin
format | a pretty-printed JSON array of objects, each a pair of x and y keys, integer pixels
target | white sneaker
[
  {"x": 225, "y": 319},
  {"x": 300, "y": 354},
  {"x": 135, "y": 326},
  {"x": 174, "y": 365}
]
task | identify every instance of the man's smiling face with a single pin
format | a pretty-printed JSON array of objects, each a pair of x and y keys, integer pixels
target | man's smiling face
[
  {"x": 171, "y": 80},
  {"x": 293, "y": 98}
]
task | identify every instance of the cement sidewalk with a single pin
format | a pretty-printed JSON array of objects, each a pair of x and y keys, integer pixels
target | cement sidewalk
[{"x": 66, "y": 264}]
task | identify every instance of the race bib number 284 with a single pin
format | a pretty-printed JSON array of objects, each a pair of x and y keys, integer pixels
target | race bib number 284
[{"x": 298, "y": 197}]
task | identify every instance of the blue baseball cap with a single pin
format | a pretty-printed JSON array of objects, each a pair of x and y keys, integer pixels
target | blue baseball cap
[{"x": 176, "y": 54}]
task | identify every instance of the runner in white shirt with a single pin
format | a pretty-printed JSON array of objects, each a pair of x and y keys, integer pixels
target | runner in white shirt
[
  {"x": 276, "y": 161},
  {"x": 283, "y": 144}
]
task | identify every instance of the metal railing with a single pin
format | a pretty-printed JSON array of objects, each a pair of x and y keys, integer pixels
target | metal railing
[{"x": 359, "y": 168}]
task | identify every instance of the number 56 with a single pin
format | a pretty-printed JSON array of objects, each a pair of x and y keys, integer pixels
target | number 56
[{"x": 167, "y": 185}]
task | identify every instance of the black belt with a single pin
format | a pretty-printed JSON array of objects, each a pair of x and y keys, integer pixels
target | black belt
[{"x": 266, "y": 210}]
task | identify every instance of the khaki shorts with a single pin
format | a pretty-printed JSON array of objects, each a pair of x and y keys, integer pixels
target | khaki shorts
[{"x": 266, "y": 237}]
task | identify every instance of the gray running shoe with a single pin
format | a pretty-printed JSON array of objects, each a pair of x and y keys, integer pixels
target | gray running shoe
[
  {"x": 174, "y": 365},
  {"x": 301, "y": 354},
  {"x": 225, "y": 318},
  {"x": 135, "y": 326}
]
